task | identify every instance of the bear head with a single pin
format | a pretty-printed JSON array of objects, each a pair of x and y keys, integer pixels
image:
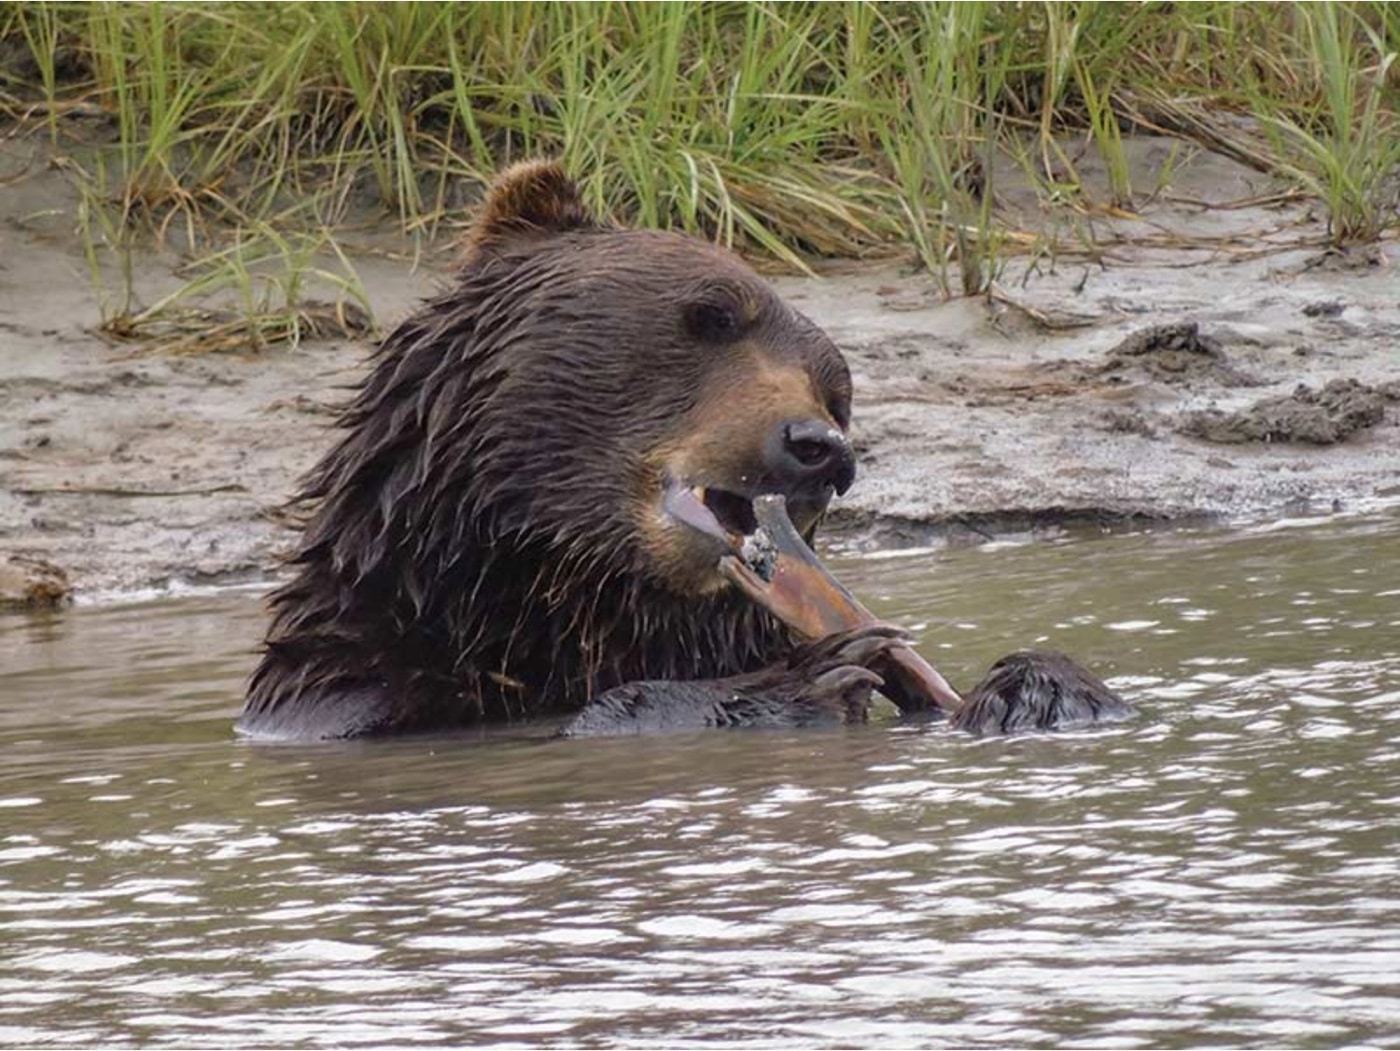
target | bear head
[{"x": 649, "y": 386}]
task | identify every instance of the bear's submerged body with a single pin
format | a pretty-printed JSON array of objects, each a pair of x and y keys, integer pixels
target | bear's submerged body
[{"x": 535, "y": 484}]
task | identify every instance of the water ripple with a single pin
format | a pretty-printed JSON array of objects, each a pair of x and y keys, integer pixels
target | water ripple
[{"x": 1222, "y": 871}]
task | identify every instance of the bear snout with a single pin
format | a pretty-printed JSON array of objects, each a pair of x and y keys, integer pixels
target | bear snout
[{"x": 808, "y": 457}]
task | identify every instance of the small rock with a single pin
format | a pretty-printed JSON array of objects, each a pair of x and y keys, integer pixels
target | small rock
[
  {"x": 32, "y": 583},
  {"x": 1182, "y": 336},
  {"x": 1325, "y": 308},
  {"x": 1176, "y": 353},
  {"x": 1120, "y": 421}
]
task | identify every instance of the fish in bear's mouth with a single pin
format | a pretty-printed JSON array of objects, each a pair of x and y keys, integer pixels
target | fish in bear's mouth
[{"x": 767, "y": 559}]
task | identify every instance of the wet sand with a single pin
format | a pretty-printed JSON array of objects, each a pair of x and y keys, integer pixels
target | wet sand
[{"x": 1246, "y": 376}]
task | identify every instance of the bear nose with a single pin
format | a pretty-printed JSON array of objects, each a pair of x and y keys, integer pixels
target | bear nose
[{"x": 810, "y": 454}]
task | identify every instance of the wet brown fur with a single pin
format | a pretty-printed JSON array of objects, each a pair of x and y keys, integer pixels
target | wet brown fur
[{"x": 485, "y": 541}]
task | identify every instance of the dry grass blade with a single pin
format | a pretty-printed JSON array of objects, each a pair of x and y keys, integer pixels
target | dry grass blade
[
  {"x": 193, "y": 330},
  {"x": 1201, "y": 121}
]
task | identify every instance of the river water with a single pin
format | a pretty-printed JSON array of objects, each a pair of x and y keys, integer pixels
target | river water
[{"x": 1222, "y": 871}]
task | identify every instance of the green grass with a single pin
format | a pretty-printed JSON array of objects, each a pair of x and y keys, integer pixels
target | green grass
[
  {"x": 1345, "y": 149},
  {"x": 252, "y": 133}
]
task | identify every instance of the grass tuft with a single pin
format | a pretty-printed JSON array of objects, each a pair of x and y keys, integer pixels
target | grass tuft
[{"x": 257, "y": 136}]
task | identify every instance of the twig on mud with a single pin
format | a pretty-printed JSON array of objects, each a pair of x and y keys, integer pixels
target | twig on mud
[
  {"x": 1218, "y": 249},
  {"x": 1265, "y": 200},
  {"x": 62, "y": 108},
  {"x": 1059, "y": 321},
  {"x": 102, "y": 490},
  {"x": 973, "y": 527}
]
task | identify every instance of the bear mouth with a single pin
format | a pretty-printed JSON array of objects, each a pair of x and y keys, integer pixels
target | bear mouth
[{"x": 720, "y": 513}]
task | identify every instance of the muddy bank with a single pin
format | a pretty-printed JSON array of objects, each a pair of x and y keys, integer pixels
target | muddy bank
[{"x": 1148, "y": 382}]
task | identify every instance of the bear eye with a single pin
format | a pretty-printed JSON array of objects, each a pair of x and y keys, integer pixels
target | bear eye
[{"x": 713, "y": 321}]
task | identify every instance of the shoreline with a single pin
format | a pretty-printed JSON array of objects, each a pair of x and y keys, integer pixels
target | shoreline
[{"x": 1145, "y": 385}]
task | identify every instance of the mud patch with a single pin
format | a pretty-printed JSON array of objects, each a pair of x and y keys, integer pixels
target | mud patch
[
  {"x": 1127, "y": 421},
  {"x": 1307, "y": 416},
  {"x": 1178, "y": 352}
]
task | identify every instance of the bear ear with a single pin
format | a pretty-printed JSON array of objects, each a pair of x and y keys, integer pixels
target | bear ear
[{"x": 529, "y": 199}]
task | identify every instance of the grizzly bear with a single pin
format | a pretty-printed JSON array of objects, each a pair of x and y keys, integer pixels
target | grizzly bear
[
  {"x": 537, "y": 479},
  {"x": 542, "y": 489}
]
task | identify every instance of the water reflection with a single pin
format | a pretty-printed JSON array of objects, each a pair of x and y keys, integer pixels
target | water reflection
[{"x": 1221, "y": 871}]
